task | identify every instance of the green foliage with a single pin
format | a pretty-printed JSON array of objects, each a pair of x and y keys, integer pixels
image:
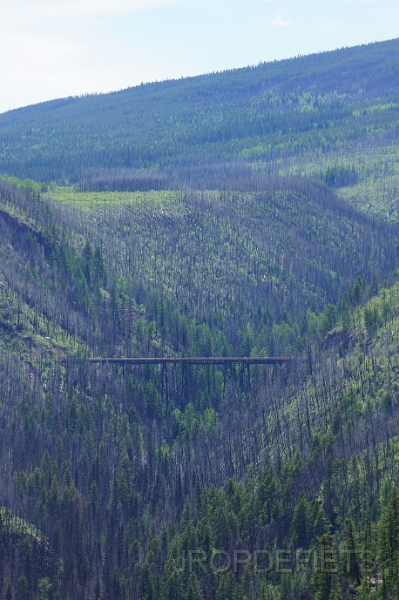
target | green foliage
[
  {"x": 44, "y": 588},
  {"x": 144, "y": 482},
  {"x": 193, "y": 590},
  {"x": 323, "y": 580},
  {"x": 146, "y": 584},
  {"x": 276, "y": 113},
  {"x": 301, "y": 523}
]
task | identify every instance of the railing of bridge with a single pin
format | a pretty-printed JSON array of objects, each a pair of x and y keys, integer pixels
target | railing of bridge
[{"x": 191, "y": 360}]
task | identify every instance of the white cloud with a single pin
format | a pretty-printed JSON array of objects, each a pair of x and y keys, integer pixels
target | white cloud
[
  {"x": 327, "y": 2},
  {"x": 278, "y": 20},
  {"x": 68, "y": 9}
]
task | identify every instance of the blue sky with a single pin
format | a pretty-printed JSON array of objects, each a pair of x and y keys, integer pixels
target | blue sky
[{"x": 57, "y": 48}]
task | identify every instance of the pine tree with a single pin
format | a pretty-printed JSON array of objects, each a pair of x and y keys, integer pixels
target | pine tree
[
  {"x": 226, "y": 587},
  {"x": 22, "y": 588},
  {"x": 300, "y": 523},
  {"x": 100, "y": 269},
  {"x": 172, "y": 584},
  {"x": 352, "y": 568},
  {"x": 146, "y": 583},
  {"x": 389, "y": 541},
  {"x": 44, "y": 588},
  {"x": 193, "y": 590},
  {"x": 323, "y": 580},
  {"x": 88, "y": 261}
]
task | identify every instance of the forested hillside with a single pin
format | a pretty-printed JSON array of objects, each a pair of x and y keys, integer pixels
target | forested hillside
[
  {"x": 333, "y": 115},
  {"x": 247, "y": 213}
]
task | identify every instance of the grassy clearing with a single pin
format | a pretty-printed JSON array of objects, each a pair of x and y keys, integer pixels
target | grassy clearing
[{"x": 88, "y": 201}]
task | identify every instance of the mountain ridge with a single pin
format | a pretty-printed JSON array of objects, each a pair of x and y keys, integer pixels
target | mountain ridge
[
  {"x": 338, "y": 53},
  {"x": 266, "y": 113}
]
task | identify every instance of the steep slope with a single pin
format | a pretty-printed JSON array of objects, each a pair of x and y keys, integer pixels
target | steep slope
[
  {"x": 116, "y": 479},
  {"x": 111, "y": 473},
  {"x": 237, "y": 259}
]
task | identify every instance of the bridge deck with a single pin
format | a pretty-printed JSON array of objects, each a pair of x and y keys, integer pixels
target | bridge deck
[{"x": 202, "y": 360}]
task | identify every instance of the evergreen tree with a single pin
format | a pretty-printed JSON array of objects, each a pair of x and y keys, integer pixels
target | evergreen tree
[
  {"x": 44, "y": 588},
  {"x": 193, "y": 589},
  {"x": 300, "y": 524},
  {"x": 352, "y": 567},
  {"x": 146, "y": 583},
  {"x": 389, "y": 541},
  {"x": 323, "y": 579},
  {"x": 22, "y": 588},
  {"x": 226, "y": 587}
]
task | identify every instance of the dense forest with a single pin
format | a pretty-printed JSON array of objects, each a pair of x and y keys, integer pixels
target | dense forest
[{"x": 246, "y": 213}]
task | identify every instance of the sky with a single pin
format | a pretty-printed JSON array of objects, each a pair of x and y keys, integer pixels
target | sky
[{"x": 56, "y": 48}]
